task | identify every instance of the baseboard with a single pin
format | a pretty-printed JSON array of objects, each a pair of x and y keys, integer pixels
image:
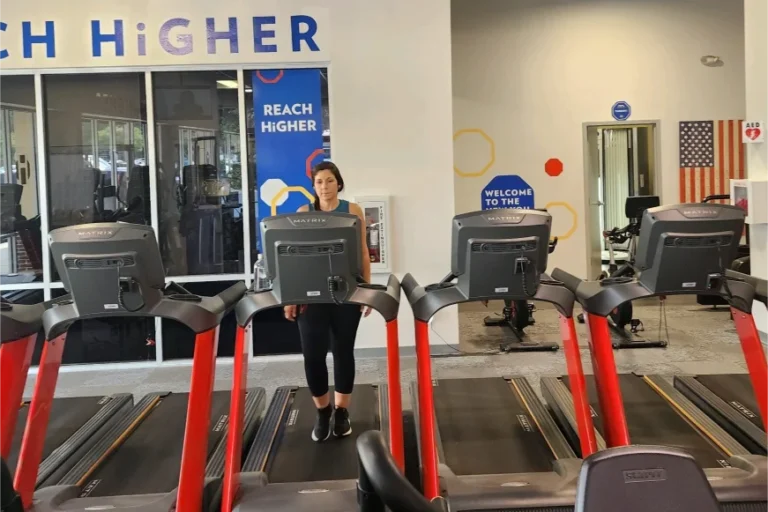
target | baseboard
[{"x": 763, "y": 337}]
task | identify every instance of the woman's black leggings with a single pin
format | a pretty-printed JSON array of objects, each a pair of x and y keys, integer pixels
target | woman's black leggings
[{"x": 316, "y": 325}]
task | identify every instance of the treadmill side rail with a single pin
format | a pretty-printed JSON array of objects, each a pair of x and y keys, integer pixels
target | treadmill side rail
[
  {"x": 62, "y": 459},
  {"x": 746, "y": 432},
  {"x": 703, "y": 423}
]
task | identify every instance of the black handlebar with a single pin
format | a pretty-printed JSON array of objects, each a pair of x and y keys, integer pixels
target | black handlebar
[
  {"x": 716, "y": 197},
  {"x": 569, "y": 280},
  {"x": 552, "y": 245},
  {"x": 379, "y": 470}
]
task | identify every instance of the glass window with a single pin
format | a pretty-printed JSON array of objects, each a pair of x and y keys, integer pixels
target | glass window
[
  {"x": 20, "y": 237},
  {"x": 107, "y": 340},
  {"x": 179, "y": 340},
  {"x": 198, "y": 165},
  {"x": 96, "y": 140}
]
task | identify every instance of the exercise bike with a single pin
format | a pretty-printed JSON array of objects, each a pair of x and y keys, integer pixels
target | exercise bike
[
  {"x": 621, "y": 318},
  {"x": 517, "y": 315}
]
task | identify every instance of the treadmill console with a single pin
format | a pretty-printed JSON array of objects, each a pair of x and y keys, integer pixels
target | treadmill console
[
  {"x": 500, "y": 253},
  {"x": 312, "y": 256},
  {"x": 686, "y": 248},
  {"x": 109, "y": 268}
]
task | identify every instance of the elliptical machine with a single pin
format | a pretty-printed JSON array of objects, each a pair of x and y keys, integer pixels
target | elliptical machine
[
  {"x": 622, "y": 316},
  {"x": 517, "y": 315}
]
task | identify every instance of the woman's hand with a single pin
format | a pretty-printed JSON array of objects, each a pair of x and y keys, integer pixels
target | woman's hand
[
  {"x": 290, "y": 313},
  {"x": 366, "y": 310}
]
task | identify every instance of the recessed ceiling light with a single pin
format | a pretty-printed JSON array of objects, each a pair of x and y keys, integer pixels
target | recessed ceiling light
[
  {"x": 227, "y": 84},
  {"x": 712, "y": 61}
]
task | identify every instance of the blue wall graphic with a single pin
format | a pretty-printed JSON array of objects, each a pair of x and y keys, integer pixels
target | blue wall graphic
[{"x": 509, "y": 191}]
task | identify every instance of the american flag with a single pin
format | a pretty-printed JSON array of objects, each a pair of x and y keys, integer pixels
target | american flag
[{"x": 711, "y": 154}]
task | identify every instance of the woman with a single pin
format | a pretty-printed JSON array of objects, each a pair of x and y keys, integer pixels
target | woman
[{"x": 318, "y": 321}]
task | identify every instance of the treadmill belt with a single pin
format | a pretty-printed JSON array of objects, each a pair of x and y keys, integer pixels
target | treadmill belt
[
  {"x": 736, "y": 390},
  {"x": 150, "y": 459},
  {"x": 300, "y": 459},
  {"x": 485, "y": 429},
  {"x": 652, "y": 421},
  {"x": 67, "y": 416}
]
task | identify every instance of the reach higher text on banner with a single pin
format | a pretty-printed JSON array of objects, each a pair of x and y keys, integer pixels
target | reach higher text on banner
[
  {"x": 279, "y": 111},
  {"x": 288, "y": 122}
]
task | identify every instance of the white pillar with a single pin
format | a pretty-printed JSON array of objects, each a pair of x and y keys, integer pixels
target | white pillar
[{"x": 756, "y": 55}]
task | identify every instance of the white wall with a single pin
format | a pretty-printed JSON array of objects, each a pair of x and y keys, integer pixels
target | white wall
[
  {"x": 390, "y": 102},
  {"x": 530, "y": 72},
  {"x": 756, "y": 58}
]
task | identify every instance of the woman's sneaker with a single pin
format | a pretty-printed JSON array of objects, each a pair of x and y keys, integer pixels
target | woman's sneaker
[
  {"x": 322, "y": 430},
  {"x": 341, "y": 425}
]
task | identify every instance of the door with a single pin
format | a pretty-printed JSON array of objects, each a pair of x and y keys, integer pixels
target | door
[
  {"x": 620, "y": 163},
  {"x": 594, "y": 210}
]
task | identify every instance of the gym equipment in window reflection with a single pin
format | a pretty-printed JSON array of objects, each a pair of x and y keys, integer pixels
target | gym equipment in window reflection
[
  {"x": 20, "y": 237},
  {"x": 209, "y": 211}
]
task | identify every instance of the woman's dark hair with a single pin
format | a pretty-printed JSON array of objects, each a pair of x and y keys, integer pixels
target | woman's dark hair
[{"x": 326, "y": 166}]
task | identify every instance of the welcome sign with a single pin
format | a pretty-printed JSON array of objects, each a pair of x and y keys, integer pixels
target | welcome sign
[{"x": 109, "y": 33}]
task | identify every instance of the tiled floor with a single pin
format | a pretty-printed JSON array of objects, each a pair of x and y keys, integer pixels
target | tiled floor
[{"x": 702, "y": 340}]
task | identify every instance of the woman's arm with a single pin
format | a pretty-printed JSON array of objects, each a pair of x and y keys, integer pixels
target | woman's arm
[
  {"x": 303, "y": 208},
  {"x": 356, "y": 210}
]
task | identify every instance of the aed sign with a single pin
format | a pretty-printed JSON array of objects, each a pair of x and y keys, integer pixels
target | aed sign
[
  {"x": 91, "y": 33},
  {"x": 753, "y": 132}
]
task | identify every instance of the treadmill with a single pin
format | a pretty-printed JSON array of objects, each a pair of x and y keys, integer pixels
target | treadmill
[
  {"x": 168, "y": 450},
  {"x": 682, "y": 249},
  {"x": 729, "y": 398},
  {"x": 76, "y": 423},
  {"x": 490, "y": 444},
  {"x": 311, "y": 258}
]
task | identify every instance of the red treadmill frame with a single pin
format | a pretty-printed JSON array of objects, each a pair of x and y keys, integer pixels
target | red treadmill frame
[
  {"x": 427, "y": 423},
  {"x": 195, "y": 443},
  {"x": 231, "y": 485},
  {"x": 15, "y": 359}
]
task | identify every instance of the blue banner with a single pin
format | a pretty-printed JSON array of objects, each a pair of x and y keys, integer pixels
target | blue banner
[{"x": 288, "y": 122}]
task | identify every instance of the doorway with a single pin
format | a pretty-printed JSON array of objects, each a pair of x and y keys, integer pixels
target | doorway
[{"x": 620, "y": 160}]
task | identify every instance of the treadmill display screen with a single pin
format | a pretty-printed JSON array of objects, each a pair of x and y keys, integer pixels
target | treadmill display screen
[
  {"x": 686, "y": 248},
  {"x": 312, "y": 256},
  {"x": 500, "y": 252},
  {"x": 124, "y": 259}
]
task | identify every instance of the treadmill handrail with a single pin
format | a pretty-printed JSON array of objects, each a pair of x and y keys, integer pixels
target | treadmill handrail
[
  {"x": 379, "y": 469},
  {"x": 427, "y": 301},
  {"x": 19, "y": 321},
  {"x": 384, "y": 299},
  {"x": 760, "y": 285},
  {"x": 199, "y": 313},
  {"x": 601, "y": 297}
]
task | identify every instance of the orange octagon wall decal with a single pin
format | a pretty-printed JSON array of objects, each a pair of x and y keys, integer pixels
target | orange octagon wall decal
[
  {"x": 310, "y": 159},
  {"x": 574, "y": 216},
  {"x": 491, "y": 152},
  {"x": 270, "y": 80},
  {"x": 553, "y": 167}
]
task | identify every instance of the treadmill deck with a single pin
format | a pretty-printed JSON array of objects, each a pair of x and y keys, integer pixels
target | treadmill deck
[
  {"x": 486, "y": 429},
  {"x": 652, "y": 421}
]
